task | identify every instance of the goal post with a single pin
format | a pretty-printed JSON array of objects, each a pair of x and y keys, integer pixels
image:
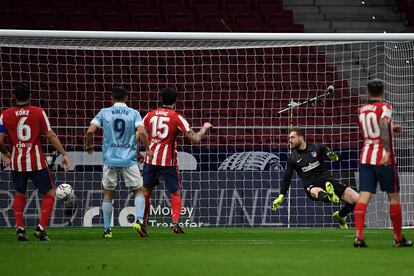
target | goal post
[{"x": 240, "y": 82}]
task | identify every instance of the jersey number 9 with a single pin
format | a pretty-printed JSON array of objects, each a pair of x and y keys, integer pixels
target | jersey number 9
[{"x": 119, "y": 127}]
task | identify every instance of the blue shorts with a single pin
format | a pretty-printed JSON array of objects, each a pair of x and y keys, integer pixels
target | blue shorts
[
  {"x": 42, "y": 179},
  {"x": 370, "y": 175},
  {"x": 152, "y": 174}
]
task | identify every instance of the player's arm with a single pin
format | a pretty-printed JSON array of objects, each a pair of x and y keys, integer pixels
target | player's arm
[
  {"x": 54, "y": 140},
  {"x": 142, "y": 136},
  {"x": 329, "y": 153},
  {"x": 5, "y": 155},
  {"x": 385, "y": 139},
  {"x": 284, "y": 186},
  {"x": 384, "y": 126},
  {"x": 89, "y": 138},
  {"x": 194, "y": 137}
]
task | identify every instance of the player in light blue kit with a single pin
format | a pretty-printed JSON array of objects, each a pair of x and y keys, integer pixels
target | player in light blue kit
[{"x": 123, "y": 129}]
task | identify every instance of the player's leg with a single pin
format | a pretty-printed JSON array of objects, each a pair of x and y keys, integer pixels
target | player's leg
[
  {"x": 173, "y": 185},
  {"x": 44, "y": 182},
  {"x": 317, "y": 193},
  {"x": 150, "y": 179},
  {"x": 19, "y": 203},
  {"x": 133, "y": 180},
  {"x": 367, "y": 187},
  {"x": 109, "y": 183},
  {"x": 388, "y": 179},
  {"x": 350, "y": 196}
]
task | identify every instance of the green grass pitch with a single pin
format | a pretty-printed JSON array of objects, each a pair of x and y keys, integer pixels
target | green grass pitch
[{"x": 205, "y": 251}]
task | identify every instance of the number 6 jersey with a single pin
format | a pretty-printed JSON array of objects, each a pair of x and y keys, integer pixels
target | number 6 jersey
[
  {"x": 25, "y": 125},
  {"x": 369, "y": 116},
  {"x": 119, "y": 124},
  {"x": 163, "y": 125}
]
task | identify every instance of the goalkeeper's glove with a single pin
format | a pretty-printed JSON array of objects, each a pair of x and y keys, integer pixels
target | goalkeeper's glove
[
  {"x": 277, "y": 202},
  {"x": 332, "y": 155}
]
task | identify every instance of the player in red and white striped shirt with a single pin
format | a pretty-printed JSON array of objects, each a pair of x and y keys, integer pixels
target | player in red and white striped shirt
[
  {"x": 25, "y": 124},
  {"x": 163, "y": 126},
  {"x": 377, "y": 162}
]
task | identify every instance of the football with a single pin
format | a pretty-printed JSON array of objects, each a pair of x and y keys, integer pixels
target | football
[{"x": 64, "y": 192}]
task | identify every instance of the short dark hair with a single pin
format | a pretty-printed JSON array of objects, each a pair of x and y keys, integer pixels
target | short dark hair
[
  {"x": 22, "y": 92},
  {"x": 119, "y": 93},
  {"x": 169, "y": 96},
  {"x": 299, "y": 131},
  {"x": 375, "y": 87}
]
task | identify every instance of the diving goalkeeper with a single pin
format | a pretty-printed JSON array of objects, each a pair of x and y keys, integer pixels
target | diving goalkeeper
[{"x": 307, "y": 161}]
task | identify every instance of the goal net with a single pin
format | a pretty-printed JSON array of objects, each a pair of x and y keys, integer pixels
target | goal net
[{"x": 252, "y": 91}]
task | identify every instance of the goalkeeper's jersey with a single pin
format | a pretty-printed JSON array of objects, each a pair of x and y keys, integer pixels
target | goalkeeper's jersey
[{"x": 308, "y": 164}]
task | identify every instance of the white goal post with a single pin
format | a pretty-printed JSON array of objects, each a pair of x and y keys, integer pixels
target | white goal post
[{"x": 238, "y": 81}]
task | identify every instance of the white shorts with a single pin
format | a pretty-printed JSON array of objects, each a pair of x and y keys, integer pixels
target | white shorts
[{"x": 132, "y": 177}]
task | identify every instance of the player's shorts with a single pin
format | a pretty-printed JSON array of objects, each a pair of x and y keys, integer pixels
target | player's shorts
[
  {"x": 42, "y": 179},
  {"x": 370, "y": 175},
  {"x": 170, "y": 175},
  {"x": 338, "y": 187},
  {"x": 132, "y": 177}
]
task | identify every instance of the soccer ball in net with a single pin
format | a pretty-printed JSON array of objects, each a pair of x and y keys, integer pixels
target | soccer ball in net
[{"x": 64, "y": 192}]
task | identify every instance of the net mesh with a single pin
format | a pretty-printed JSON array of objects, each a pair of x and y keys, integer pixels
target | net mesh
[{"x": 241, "y": 87}]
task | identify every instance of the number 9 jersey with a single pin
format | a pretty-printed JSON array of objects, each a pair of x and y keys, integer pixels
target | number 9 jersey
[
  {"x": 163, "y": 125},
  {"x": 369, "y": 116},
  {"x": 119, "y": 124},
  {"x": 25, "y": 125}
]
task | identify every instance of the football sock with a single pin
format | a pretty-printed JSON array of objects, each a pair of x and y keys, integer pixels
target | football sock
[
  {"x": 359, "y": 214},
  {"x": 18, "y": 209},
  {"x": 147, "y": 209},
  {"x": 395, "y": 216},
  {"x": 346, "y": 210},
  {"x": 176, "y": 208},
  {"x": 107, "y": 213},
  {"x": 47, "y": 208},
  {"x": 139, "y": 207},
  {"x": 322, "y": 196}
]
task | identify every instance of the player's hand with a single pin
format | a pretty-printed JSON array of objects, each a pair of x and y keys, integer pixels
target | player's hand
[
  {"x": 207, "y": 126},
  {"x": 385, "y": 157},
  {"x": 65, "y": 162},
  {"x": 149, "y": 153},
  {"x": 332, "y": 156},
  {"x": 6, "y": 159},
  {"x": 89, "y": 149},
  {"x": 397, "y": 128},
  {"x": 140, "y": 158},
  {"x": 277, "y": 202}
]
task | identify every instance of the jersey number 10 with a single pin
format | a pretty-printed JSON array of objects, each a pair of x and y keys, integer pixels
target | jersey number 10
[{"x": 369, "y": 123}]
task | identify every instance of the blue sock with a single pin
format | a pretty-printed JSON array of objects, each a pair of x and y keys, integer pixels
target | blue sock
[
  {"x": 107, "y": 213},
  {"x": 139, "y": 207}
]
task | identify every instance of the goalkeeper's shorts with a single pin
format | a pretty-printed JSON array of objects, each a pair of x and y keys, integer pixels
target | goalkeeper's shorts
[{"x": 338, "y": 187}]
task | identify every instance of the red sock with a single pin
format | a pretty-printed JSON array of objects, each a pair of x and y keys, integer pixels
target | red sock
[
  {"x": 47, "y": 207},
  {"x": 18, "y": 209},
  {"x": 359, "y": 214},
  {"x": 176, "y": 208},
  {"x": 395, "y": 216},
  {"x": 147, "y": 210}
]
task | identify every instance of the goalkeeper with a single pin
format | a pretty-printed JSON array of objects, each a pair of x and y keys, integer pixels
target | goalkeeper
[{"x": 307, "y": 161}]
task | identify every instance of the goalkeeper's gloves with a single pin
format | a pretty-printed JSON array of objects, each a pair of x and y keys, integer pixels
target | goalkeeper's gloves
[
  {"x": 277, "y": 202},
  {"x": 332, "y": 155}
]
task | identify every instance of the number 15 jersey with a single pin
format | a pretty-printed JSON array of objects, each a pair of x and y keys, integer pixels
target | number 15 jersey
[
  {"x": 25, "y": 125},
  {"x": 164, "y": 125},
  {"x": 369, "y": 116},
  {"x": 119, "y": 124}
]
